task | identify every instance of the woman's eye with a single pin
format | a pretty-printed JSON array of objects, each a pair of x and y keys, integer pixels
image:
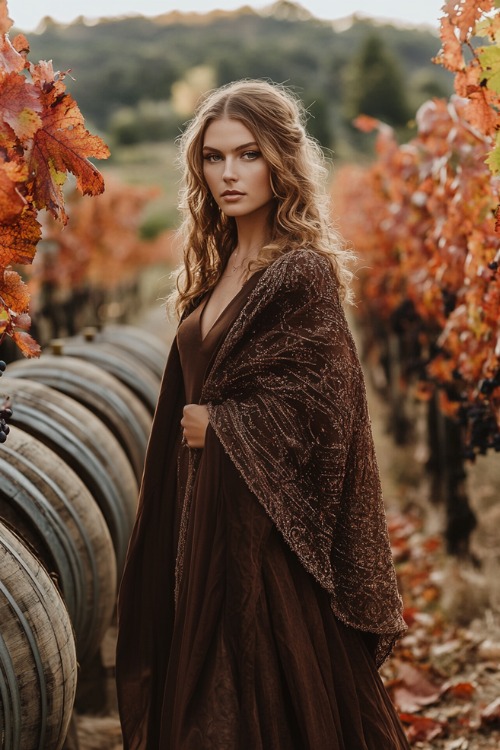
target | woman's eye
[
  {"x": 212, "y": 158},
  {"x": 250, "y": 155}
]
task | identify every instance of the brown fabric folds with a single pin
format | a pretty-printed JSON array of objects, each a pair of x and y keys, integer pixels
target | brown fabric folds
[
  {"x": 287, "y": 400},
  {"x": 288, "y": 414}
]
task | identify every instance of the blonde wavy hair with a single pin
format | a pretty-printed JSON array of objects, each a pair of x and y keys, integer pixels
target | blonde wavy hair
[{"x": 300, "y": 216}]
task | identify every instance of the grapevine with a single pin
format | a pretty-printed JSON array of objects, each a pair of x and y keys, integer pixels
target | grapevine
[
  {"x": 42, "y": 139},
  {"x": 423, "y": 218},
  {"x": 477, "y": 79}
]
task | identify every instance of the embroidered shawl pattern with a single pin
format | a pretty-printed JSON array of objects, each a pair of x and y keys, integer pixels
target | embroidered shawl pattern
[{"x": 286, "y": 398}]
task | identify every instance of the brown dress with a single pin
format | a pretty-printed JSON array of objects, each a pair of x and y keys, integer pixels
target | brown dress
[{"x": 257, "y": 659}]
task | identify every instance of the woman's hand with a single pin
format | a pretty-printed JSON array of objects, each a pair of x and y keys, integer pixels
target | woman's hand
[{"x": 194, "y": 423}]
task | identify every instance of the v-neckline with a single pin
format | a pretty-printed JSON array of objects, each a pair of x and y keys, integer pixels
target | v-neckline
[{"x": 209, "y": 294}]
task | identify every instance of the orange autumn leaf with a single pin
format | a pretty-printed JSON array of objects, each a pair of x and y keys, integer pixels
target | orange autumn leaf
[
  {"x": 366, "y": 124},
  {"x": 5, "y": 21},
  {"x": 26, "y": 343},
  {"x": 19, "y": 105},
  {"x": 21, "y": 44},
  {"x": 18, "y": 240},
  {"x": 12, "y": 174},
  {"x": 61, "y": 145},
  {"x": 461, "y": 690},
  {"x": 451, "y": 55},
  {"x": 422, "y": 728},
  {"x": 480, "y": 113},
  {"x": 14, "y": 293},
  {"x": 10, "y": 59},
  {"x": 464, "y": 15}
]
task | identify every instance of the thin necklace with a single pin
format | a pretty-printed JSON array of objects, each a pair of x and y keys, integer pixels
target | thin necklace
[{"x": 240, "y": 265}]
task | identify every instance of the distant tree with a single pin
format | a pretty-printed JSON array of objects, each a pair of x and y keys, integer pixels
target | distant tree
[
  {"x": 374, "y": 84},
  {"x": 427, "y": 86},
  {"x": 148, "y": 121},
  {"x": 319, "y": 123}
]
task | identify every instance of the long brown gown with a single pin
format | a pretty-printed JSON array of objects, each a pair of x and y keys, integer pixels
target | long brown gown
[{"x": 258, "y": 660}]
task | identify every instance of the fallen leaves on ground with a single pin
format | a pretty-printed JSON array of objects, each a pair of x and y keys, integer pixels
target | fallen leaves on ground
[{"x": 444, "y": 678}]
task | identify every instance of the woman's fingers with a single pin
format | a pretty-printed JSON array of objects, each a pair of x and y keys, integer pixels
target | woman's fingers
[{"x": 194, "y": 424}]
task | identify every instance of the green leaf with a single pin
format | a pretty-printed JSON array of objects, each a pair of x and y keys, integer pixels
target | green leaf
[
  {"x": 489, "y": 57},
  {"x": 493, "y": 158}
]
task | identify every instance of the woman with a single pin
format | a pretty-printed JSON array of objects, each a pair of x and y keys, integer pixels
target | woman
[{"x": 259, "y": 593}]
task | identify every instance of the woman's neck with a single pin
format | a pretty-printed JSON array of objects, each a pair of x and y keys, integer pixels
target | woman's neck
[{"x": 252, "y": 236}]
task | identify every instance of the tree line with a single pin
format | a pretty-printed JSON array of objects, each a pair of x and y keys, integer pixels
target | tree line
[{"x": 338, "y": 70}]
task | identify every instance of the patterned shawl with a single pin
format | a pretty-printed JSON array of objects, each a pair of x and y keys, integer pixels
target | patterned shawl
[{"x": 286, "y": 398}]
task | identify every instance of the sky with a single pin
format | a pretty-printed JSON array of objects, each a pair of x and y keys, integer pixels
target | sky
[{"x": 27, "y": 13}]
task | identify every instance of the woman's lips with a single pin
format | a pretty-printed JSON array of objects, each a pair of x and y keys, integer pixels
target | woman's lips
[{"x": 232, "y": 195}]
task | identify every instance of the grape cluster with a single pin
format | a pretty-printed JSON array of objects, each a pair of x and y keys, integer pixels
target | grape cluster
[
  {"x": 481, "y": 429},
  {"x": 488, "y": 385},
  {"x": 5, "y": 411}
]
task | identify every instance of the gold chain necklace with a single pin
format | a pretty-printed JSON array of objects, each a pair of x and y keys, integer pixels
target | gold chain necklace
[{"x": 240, "y": 265}]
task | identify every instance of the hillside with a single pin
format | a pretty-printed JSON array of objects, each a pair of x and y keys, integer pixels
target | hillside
[{"x": 118, "y": 64}]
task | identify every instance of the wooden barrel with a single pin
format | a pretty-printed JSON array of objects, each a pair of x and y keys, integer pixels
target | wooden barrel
[
  {"x": 136, "y": 341},
  {"x": 52, "y": 510},
  {"x": 86, "y": 445},
  {"x": 125, "y": 366},
  {"x": 38, "y": 666},
  {"x": 115, "y": 405}
]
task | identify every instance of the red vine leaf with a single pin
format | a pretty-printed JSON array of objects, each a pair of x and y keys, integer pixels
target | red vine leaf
[
  {"x": 61, "y": 145},
  {"x": 21, "y": 44},
  {"x": 26, "y": 343},
  {"x": 451, "y": 55},
  {"x": 19, "y": 104},
  {"x": 422, "y": 728},
  {"x": 10, "y": 59},
  {"x": 18, "y": 240},
  {"x": 5, "y": 21},
  {"x": 464, "y": 15},
  {"x": 12, "y": 175},
  {"x": 480, "y": 114},
  {"x": 14, "y": 292}
]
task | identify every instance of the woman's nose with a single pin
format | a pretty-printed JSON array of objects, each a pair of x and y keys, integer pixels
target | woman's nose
[{"x": 229, "y": 170}]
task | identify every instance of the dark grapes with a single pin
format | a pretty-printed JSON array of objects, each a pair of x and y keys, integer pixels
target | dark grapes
[
  {"x": 2, "y": 367},
  {"x": 5, "y": 416},
  {"x": 487, "y": 386}
]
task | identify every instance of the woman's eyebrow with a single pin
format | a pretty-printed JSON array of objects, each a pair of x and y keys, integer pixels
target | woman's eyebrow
[{"x": 238, "y": 148}]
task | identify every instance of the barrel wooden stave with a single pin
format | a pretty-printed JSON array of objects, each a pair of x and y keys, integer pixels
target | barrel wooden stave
[
  {"x": 86, "y": 445},
  {"x": 109, "y": 399},
  {"x": 122, "y": 364},
  {"x": 38, "y": 665},
  {"x": 138, "y": 343},
  {"x": 51, "y": 509}
]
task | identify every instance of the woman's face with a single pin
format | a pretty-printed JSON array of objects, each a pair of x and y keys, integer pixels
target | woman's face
[{"x": 235, "y": 170}]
